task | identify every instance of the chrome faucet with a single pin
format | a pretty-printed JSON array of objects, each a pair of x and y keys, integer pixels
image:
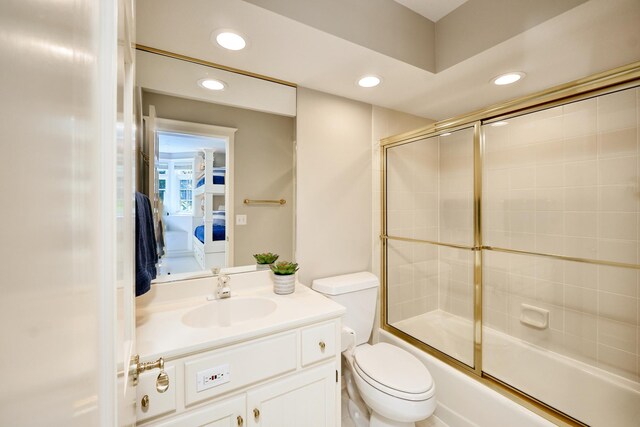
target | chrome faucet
[{"x": 222, "y": 290}]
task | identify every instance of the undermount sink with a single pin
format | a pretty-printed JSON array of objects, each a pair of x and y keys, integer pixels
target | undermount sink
[{"x": 228, "y": 312}]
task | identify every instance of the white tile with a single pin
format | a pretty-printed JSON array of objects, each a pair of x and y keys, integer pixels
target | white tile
[
  {"x": 581, "y": 224},
  {"x": 581, "y": 174},
  {"x": 518, "y": 178},
  {"x": 522, "y": 200},
  {"x": 549, "y": 243},
  {"x": 581, "y": 247},
  {"x": 580, "y": 324},
  {"x": 522, "y": 221},
  {"x": 581, "y": 198},
  {"x": 618, "y": 225},
  {"x": 581, "y": 299},
  {"x": 580, "y": 274},
  {"x": 618, "y": 250},
  {"x": 549, "y": 199},
  {"x": 549, "y": 152},
  {"x": 618, "y": 198},
  {"x": 549, "y": 222},
  {"x": 523, "y": 241},
  {"x": 580, "y": 348},
  {"x": 550, "y": 175},
  {"x": 581, "y": 148},
  {"x": 617, "y": 307},
  {"x": 550, "y": 269},
  {"x": 616, "y": 143},
  {"x": 620, "y": 335},
  {"x": 619, "y": 280},
  {"x": 550, "y": 292},
  {"x": 579, "y": 118},
  {"x": 618, "y": 171},
  {"x": 617, "y": 111}
]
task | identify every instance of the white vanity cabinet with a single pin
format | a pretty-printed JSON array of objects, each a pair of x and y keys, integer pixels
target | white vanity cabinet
[{"x": 286, "y": 379}]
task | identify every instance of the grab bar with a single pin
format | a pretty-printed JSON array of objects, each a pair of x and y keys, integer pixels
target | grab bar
[{"x": 278, "y": 202}]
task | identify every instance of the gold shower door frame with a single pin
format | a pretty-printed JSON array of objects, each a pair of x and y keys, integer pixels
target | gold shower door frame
[{"x": 600, "y": 84}]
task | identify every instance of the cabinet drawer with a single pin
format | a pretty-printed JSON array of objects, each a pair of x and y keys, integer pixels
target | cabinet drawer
[
  {"x": 244, "y": 365},
  {"x": 318, "y": 343},
  {"x": 230, "y": 412},
  {"x": 159, "y": 403}
]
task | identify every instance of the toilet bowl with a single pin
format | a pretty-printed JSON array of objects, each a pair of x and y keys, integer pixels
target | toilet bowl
[
  {"x": 387, "y": 386},
  {"x": 394, "y": 384}
]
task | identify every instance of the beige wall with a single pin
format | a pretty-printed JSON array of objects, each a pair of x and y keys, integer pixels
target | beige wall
[
  {"x": 263, "y": 170},
  {"x": 333, "y": 185},
  {"x": 479, "y": 25},
  {"x": 381, "y": 25}
]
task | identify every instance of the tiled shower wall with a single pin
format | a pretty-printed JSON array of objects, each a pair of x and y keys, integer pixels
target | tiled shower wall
[{"x": 566, "y": 181}]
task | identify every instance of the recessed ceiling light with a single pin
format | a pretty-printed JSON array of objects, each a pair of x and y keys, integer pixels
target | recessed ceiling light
[
  {"x": 212, "y": 84},
  {"x": 500, "y": 123},
  {"x": 230, "y": 40},
  {"x": 369, "y": 81},
  {"x": 446, "y": 134},
  {"x": 508, "y": 78}
]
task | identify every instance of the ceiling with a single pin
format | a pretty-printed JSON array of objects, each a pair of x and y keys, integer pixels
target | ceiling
[
  {"x": 594, "y": 36},
  {"x": 433, "y": 10}
]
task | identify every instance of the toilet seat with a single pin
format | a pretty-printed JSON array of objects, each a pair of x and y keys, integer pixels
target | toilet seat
[{"x": 393, "y": 371}]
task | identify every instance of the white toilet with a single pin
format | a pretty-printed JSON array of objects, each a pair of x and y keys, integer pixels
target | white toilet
[{"x": 395, "y": 386}]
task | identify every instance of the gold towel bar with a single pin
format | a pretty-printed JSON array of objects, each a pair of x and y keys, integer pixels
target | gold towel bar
[{"x": 279, "y": 202}]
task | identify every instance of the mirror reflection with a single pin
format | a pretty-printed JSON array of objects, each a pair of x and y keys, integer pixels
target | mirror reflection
[{"x": 218, "y": 167}]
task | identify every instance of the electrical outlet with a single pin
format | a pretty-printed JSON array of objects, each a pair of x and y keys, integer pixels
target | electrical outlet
[
  {"x": 213, "y": 377},
  {"x": 241, "y": 220}
]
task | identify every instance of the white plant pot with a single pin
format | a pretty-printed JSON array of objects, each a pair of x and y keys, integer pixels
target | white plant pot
[
  {"x": 284, "y": 285},
  {"x": 263, "y": 267}
]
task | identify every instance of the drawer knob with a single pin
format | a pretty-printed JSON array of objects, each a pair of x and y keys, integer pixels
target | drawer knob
[
  {"x": 145, "y": 402},
  {"x": 240, "y": 420},
  {"x": 256, "y": 413},
  {"x": 322, "y": 345}
]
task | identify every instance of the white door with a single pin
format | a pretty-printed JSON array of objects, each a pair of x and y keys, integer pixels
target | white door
[
  {"x": 306, "y": 399},
  {"x": 57, "y": 223},
  {"x": 124, "y": 213}
]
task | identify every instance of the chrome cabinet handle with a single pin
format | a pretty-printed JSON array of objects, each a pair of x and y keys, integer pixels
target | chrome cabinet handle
[{"x": 322, "y": 345}]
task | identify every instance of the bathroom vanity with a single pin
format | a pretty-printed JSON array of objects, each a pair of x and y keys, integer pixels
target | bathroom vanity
[{"x": 254, "y": 359}]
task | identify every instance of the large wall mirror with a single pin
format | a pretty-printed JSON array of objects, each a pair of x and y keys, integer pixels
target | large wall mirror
[{"x": 219, "y": 165}]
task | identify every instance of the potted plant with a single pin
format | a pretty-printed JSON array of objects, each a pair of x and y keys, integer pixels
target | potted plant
[
  {"x": 284, "y": 277},
  {"x": 264, "y": 260}
]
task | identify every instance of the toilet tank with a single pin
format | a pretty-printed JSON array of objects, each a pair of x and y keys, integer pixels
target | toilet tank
[{"x": 358, "y": 292}]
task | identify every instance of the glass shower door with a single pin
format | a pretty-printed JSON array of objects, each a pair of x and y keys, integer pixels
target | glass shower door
[
  {"x": 429, "y": 244},
  {"x": 561, "y": 285}
]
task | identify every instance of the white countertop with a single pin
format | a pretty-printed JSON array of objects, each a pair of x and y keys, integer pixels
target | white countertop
[{"x": 160, "y": 331}]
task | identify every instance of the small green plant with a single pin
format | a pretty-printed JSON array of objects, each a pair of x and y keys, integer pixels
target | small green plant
[
  {"x": 284, "y": 268},
  {"x": 266, "y": 258}
]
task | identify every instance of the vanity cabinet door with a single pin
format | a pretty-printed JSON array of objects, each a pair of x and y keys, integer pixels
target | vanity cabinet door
[
  {"x": 305, "y": 399},
  {"x": 226, "y": 413}
]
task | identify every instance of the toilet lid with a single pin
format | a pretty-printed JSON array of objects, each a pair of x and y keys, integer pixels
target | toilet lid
[{"x": 394, "y": 368}]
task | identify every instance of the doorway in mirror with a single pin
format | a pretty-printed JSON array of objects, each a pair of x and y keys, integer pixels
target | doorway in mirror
[{"x": 192, "y": 187}]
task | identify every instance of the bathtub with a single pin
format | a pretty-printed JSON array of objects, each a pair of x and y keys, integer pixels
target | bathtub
[{"x": 592, "y": 395}]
